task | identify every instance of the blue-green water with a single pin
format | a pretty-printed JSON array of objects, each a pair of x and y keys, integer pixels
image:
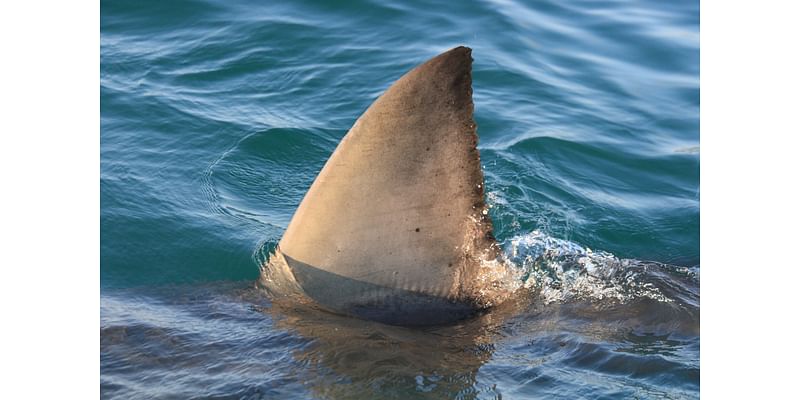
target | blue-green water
[{"x": 217, "y": 115}]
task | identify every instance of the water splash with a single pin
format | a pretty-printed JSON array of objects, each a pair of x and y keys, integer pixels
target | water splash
[{"x": 563, "y": 271}]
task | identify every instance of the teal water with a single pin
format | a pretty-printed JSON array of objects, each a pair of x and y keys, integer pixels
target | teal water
[{"x": 217, "y": 115}]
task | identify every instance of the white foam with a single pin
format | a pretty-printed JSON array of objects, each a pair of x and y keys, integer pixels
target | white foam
[{"x": 563, "y": 271}]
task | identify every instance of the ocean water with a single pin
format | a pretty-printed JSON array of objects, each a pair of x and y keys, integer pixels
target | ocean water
[{"x": 217, "y": 115}]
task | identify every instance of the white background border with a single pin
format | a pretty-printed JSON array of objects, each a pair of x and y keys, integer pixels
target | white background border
[
  {"x": 750, "y": 175},
  {"x": 50, "y": 199}
]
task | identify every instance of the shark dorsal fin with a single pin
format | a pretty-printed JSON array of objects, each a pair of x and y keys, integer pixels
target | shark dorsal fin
[{"x": 394, "y": 225}]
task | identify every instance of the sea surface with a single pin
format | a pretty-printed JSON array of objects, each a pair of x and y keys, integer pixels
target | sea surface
[{"x": 217, "y": 115}]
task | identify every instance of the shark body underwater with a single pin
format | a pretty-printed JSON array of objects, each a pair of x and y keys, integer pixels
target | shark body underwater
[{"x": 395, "y": 228}]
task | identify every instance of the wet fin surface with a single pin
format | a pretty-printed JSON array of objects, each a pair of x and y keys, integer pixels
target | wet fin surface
[{"x": 394, "y": 223}]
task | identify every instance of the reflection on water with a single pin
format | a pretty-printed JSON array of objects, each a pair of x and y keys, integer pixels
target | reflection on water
[
  {"x": 351, "y": 358},
  {"x": 546, "y": 344}
]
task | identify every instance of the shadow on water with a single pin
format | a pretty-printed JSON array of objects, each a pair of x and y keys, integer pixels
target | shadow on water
[{"x": 353, "y": 358}]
